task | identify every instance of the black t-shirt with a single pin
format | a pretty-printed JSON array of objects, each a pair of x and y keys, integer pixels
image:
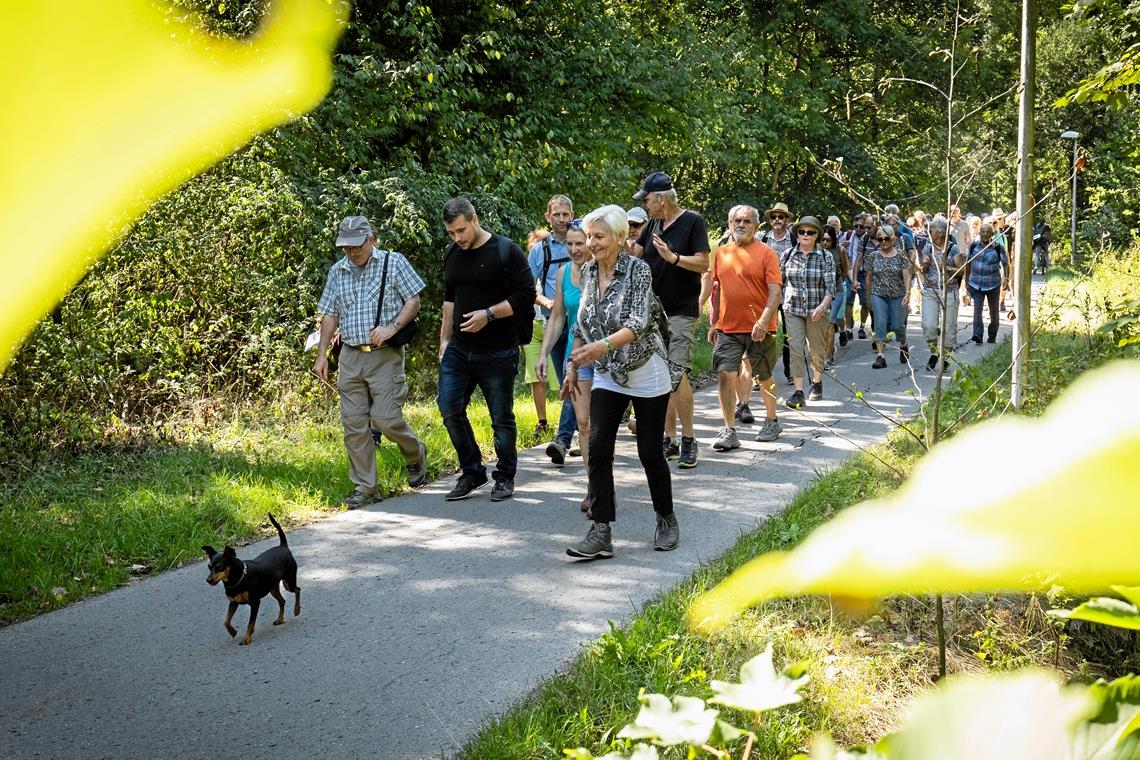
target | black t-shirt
[
  {"x": 679, "y": 289},
  {"x": 477, "y": 279}
]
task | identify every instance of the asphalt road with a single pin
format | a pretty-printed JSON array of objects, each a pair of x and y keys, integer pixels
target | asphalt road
[{"x": 421, "y": 619}]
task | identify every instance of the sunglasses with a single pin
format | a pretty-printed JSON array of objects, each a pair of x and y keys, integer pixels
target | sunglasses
[
  {"x": 575, "y": 225},
  {"x": 775, "y": 217},
  {"x": 860, "y": 227},
  {"x": 883, "y": 239},
  {"x": 806, "y": 232}
]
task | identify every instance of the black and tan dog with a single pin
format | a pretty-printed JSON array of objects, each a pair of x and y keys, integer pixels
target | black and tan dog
[{"x": 248, "y": 582}]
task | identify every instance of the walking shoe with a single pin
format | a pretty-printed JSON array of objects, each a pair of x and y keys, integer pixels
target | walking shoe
[
  {"x": 932, "y": 362},
  {"x": 788, "y": 379},
  {"x": 744, "y": 414},
  {"x": 377, "y": 436},
  {"x": 358, "y": 500},
  {"x": 769, "y": 431},
  {"x": 688, "y": 458},
  {"x": 904, "y": 354},
  {"x": 556, "y": 450},
  {"x": 598, "y": 543},
  {"x": 632, "y": 425},
  {"x": 842, "y": 337},
  {"x": 575, "y": 445},
  {"x": 726, "y": 440},
  {"x": 672, "y": 450},
  {"x": 668, "y": 533},
  {"x": 816, "y": 393},
  {"x": 879, "y": 362},
  {"x": 991, "y": 339},
  {"x": 503, "y": 490},
  {"x": 541, "y": 429},
  {"x": 465, "y": 485},
  {"x": 862, "y": 333},
  {"x": 830, "y": 363},
  {"x": 795, "y": 401},
  {"x": 417, "y": 473},
  {"x": 977, "y": 339}
]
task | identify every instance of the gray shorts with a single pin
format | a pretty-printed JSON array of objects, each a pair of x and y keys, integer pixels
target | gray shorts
[
  {"x": 730, "y": 348},
  {"x": 680, "y": 348}
]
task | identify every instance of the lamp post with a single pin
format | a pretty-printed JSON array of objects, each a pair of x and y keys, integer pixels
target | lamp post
[{"x": 1075, "y": 137}]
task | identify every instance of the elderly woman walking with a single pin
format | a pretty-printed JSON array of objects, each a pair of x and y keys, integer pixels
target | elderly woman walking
[
  {"x": 941, "y": 262},
  {"x": 809, "y": 287},
  {"x": 617, "y": 333},
  {"x": 889, "y": 272}
]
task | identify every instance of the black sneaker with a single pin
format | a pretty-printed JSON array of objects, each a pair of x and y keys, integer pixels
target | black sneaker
[
  {"x": 862, "y": 333},
  {"x": 465, "y": 485},
  {"x": 991, "y": 339},
  {"x": 932, "y": 362},
  {"x": 418, "y": 473},
  {"x": 795, "y": 401},
  {"x": 688, "y": 456},
  {"x": 850, "y": 335},
  {"x": 672, "y": 450},
  {"x": 744, "y": 414},
  {"x": 788, "y": 379},
  {"x": 556, "y": 450},
  {"x": 977, "y": 339},
  {"x": 879, "y": 362},
  {"x": 904, "y": 354},
  {"x": 503, "y": 490},
  {"x": 842, "y": 337},
  {"x": 816, "y": 393}
]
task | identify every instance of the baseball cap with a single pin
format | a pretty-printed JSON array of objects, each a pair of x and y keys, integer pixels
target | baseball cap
[
  {"x": 354, "y": 230},
  {"x": 654, "y": 183},
  {"x": 637, "y": 215}
]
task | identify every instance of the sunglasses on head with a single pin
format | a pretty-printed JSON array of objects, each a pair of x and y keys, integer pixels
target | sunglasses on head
[{"x": 575, "y": 225}]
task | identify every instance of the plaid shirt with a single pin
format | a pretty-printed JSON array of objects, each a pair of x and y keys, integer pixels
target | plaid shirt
[
  {"x": 808, "y": 279},
  {"x": 986, "y": 264},
  {"x": 352, "y": 297}
]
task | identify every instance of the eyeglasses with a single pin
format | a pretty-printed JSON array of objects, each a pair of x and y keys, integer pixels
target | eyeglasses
[
  {"x": 807, "y": 232},
  {"x": 775, "y": 217},
  {"x": 883, "y": 239}
]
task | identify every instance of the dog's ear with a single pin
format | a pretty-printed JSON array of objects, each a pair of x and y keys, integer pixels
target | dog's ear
[
  {"x": 210, "y": 552},
  {"x": 230, "y": 553}
]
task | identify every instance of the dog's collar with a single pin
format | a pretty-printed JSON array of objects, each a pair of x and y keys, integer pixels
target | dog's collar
[{"x": 240, "y": 580}]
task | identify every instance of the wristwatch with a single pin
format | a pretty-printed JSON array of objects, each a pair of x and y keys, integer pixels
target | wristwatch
[{"x": 490, "y": 314}]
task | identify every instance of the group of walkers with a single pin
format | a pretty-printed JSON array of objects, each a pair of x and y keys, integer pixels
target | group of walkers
[{"x": 605, "y": 308}]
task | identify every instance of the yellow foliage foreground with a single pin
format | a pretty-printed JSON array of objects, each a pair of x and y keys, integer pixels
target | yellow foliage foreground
[
  {"x": 1011, "y": 504},
  {"x": 107, "y": 104}
]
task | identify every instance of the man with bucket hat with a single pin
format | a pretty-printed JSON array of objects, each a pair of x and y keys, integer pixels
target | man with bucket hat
[
  {"x": 675, "y": 245},
  {"x": 371, "y": 379}
]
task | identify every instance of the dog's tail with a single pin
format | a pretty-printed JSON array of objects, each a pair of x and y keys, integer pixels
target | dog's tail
[{"x": 279, "y": 531}]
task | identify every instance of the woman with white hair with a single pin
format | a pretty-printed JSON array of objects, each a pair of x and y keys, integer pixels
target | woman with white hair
[
  {"x": 617, "y": 332},
  {"x": 940, "y": 261}
]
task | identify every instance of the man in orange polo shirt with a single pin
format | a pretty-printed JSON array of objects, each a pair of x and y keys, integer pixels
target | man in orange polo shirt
[{"x": 745, "y": 295}]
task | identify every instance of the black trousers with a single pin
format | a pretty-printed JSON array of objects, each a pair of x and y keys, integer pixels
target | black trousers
[{"x": 606, "y": 409}]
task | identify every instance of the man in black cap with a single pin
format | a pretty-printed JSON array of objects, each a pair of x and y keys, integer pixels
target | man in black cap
[
  {"x": 371, "y": 378},
  {"x": 675, "y": 244}
]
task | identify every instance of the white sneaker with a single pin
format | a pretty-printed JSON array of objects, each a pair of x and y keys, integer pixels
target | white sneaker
[
  {"x": 726, "y": 440},
  {"x": 575, "y": 445}
]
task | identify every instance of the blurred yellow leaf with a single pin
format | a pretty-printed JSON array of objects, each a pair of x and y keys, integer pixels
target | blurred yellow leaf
[
  {"x": 133, "y": 104},
  {"x": 1010, "y": 504}
]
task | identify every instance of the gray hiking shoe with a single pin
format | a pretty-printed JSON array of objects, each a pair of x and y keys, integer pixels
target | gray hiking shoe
[
  {"x": 726, "y": 440},
  {"x": 744, "y": 414},
  {"x": 358, "y": 500},
  {"x": 556, "y": 450},
  {"x": 668, "y": 533},
  {"x": 598, "y": 543},
  {"x": 417, "y": 473},
  {"x": 769, "y": 431}
]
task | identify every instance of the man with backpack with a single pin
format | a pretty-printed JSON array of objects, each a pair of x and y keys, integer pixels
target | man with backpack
[
  {"x": 545, "y": 258},
  {"x": 488, "y": 312}
]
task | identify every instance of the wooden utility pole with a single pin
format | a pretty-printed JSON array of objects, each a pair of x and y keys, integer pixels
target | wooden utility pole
[{"x": 1023, "y": 264}]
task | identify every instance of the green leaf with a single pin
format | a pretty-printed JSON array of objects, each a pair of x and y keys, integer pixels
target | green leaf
[
  {"x": 761, "y": 687},
  {"x": 1104, "y": 610},
  {"x": 685, "y": 720}
]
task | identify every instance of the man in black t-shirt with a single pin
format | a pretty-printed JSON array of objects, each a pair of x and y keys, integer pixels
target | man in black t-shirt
[
  {"x": 487, "y": 281},
  {"x": 675, "y": 245}
]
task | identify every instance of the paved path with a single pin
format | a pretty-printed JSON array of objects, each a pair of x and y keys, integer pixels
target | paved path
[{"x": 422, "y": 619}]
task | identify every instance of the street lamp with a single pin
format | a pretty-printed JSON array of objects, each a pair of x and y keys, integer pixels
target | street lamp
[{"x": 1075, "y": 137}]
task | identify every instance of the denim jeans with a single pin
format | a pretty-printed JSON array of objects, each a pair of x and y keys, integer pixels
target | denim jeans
[
  {"x": 567, "y": 420},
  {"x": 992, "y": 297},
  {"x": 460, "y": 373},
  {"x": 606, "y": 410},
  {"x": 839, "y": 302},
  {"x": 889, "y": 316}
]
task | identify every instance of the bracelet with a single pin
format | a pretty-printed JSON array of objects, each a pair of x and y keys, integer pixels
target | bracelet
[
  {"x": 609, "y": 345},
  {"x": 677, "y": 261},
  {"x": 490, "y": 314}
]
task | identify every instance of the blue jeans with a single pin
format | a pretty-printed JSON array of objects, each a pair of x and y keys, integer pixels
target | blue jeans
[
  {"x": 460, "y": 373},
  {"x": 889, "y": 316},
  {"x": 567, "y": 420},
  {"x": 839, "y": 303}
]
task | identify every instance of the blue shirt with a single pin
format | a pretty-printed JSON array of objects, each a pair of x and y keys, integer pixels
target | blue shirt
[
  {"x": 986, "y": 265},
  {"x": 559, "y": 255}
]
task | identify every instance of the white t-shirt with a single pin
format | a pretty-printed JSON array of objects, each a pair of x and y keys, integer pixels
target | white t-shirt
[{"x": 647, "y": 381}]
